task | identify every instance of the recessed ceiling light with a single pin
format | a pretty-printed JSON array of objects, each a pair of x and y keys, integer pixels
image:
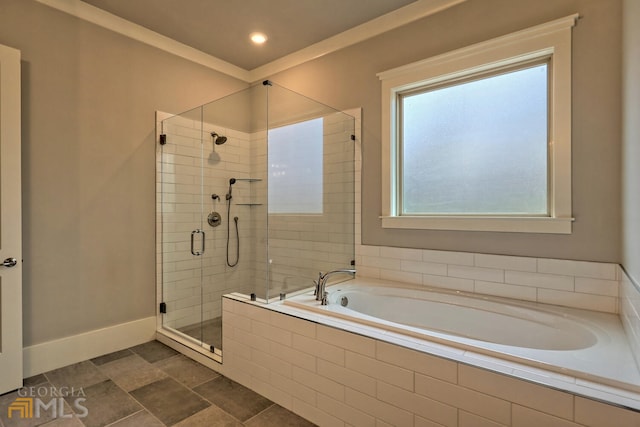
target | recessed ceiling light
[{"x": 258, "y": 38}]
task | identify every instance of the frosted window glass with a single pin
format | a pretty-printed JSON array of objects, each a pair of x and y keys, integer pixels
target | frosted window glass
[
  {"x": 295, "y": 168},
  {"x": 476, "y": 148}
]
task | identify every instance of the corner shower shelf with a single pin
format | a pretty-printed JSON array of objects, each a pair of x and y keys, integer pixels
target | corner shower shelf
[{"x": 249, "y": 180}]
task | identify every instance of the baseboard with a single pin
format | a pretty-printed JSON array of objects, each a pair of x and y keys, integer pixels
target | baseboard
[{"x": 55, "y": 354}]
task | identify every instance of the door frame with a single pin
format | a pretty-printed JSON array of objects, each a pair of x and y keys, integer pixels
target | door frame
[{"x": 11, "y": 359}]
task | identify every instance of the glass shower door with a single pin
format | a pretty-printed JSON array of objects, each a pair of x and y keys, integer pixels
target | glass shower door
[{"x": 183, "y": 235}]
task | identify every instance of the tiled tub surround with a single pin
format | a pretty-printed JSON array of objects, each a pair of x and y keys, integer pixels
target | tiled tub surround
[
  {"x": 578, "y": 284},
  {"x": 337, "y": 373},
  {"x": 596, "y": 286},
  {"x": 581, "y": 343},
  {"x": 629, "y": 312}
]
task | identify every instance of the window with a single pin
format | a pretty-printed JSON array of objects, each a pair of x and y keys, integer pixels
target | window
[
  {"x": 295, "y": 168},
  {"x": 476, "y": 148},
  {"x": 480, "y": 138}
]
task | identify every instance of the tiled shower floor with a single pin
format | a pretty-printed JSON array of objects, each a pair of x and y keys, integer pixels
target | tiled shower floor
[
  {"x": 149, "y": 385},
  {"x": 209, "y": 332}
]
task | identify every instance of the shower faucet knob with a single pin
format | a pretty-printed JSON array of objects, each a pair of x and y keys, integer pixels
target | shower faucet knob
[{"x": 214, "y": 219}]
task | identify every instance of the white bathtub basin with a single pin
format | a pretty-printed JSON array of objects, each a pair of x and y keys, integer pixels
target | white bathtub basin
[
  {"x": 585, "y": 344},
  {"x": 463, "y": 316}
]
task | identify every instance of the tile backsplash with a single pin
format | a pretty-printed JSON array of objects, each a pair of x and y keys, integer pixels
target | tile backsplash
[
  {"x": 577, "y": 284},
  {"x": 629, "y": 312}
]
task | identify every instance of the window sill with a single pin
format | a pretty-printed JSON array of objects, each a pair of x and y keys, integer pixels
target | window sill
[{"x": 485, "y": 223}]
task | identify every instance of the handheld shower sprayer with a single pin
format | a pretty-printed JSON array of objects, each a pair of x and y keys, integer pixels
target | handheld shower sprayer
[
  {"x": 231, "y": 182},
  {"x": 228, "y": 197}
]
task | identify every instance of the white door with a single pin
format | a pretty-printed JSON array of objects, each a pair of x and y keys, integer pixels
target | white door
[{"x": 10, "y": 223}]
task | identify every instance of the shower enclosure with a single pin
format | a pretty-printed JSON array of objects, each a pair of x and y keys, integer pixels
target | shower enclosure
[{"x": 255, "y": 195}]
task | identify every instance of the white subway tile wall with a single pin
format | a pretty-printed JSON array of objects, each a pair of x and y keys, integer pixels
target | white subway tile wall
[
  {"x": 630, "y": 311},
  {"x": 577, "y": 284},
  {"x": 335, "y": 377}
]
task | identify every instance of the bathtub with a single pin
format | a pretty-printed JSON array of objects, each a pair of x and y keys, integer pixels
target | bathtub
[{"x": 580, "y": 343}]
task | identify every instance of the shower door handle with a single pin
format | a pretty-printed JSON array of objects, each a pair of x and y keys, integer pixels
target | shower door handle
[{"x": 193, "y": 233}]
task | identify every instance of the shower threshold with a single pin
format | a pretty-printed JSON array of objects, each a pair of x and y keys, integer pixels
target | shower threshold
[{"x": 209, "y": 332}]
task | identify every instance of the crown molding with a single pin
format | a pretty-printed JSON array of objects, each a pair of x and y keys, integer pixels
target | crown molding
[
  {"x": 107, "y": 20},
  {"x": 382, "y": 24},
  {"x": 377, "y": 26}
]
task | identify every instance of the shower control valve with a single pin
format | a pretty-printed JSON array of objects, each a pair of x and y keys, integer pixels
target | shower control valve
[{"x": 214, "y": 219}]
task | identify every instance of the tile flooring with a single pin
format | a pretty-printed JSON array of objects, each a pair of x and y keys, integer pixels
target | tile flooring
[{"x": 149, "y": 385}]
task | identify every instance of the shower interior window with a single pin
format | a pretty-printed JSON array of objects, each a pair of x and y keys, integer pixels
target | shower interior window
[{"x": 295, "y": 168}]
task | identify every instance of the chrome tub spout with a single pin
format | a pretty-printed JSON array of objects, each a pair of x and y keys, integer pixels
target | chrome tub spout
[{"x": 321, "y": 284}]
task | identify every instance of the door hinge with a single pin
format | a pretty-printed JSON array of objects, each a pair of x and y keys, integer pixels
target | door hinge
[{"x": 163, "y": 307}]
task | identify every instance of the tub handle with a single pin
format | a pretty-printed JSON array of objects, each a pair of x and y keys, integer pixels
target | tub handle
[{"x": 325, "y": 298}]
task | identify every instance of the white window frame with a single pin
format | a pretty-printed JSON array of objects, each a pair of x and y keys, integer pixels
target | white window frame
[{"x": 551, "y": 40}]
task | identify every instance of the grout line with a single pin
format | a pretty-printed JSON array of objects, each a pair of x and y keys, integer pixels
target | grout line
[
  {"x": 210, "y": 402},
  {"x": 261, "y": 412},
  {"x": 143, "y": 409}
]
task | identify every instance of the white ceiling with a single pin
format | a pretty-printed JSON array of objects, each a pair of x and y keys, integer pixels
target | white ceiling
[{"x": 221, "y": 28}]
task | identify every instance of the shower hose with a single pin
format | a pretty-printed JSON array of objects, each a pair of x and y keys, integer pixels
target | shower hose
[{"x": 235, "y": 219}]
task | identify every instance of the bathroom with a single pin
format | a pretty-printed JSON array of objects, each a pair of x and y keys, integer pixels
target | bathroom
[{"x": 88, "y": 158}]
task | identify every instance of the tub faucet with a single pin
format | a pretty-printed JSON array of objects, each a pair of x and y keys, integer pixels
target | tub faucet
[{"x": 321, "y": 284}]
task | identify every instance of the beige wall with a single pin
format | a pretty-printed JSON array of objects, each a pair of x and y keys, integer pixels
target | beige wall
[
  {"x": 89, "y": 99},
  {"x": 348, "y": 78},
  {"x": 631, "y": 140}
]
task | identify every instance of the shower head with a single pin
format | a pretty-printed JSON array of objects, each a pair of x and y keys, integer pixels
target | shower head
[
  {"x": 218, "y": 139},
  {"x": 232, "y": 181}
]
